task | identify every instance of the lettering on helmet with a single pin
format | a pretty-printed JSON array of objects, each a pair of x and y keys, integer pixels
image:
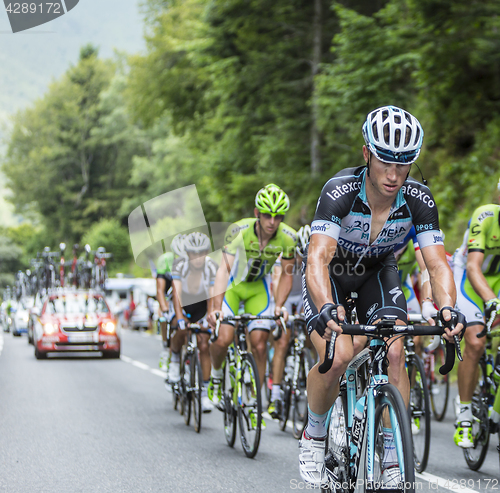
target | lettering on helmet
[
  {"x": 341, "y": 190},
  {"x": 412, "y": 191}
]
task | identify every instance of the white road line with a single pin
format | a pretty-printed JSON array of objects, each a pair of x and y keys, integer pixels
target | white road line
[
  {"x": 1, "y": 343},
  {"x": 443, "y": 483},
  {"x": 431, "y": 478}
]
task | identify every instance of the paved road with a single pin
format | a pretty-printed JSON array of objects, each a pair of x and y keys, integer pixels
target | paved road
[{"x": 84, "y": 424}]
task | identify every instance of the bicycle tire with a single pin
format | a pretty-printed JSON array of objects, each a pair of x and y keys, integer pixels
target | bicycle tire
[
  {"x": 268, "y": 384},
  {"x": 439, "y": 385},
  {"x": 480, "y": 428},
  {"x": 388, "y": 397},
  {"x": 284, "y": 412},
  {"x": 420, "y": 412},
  {"x": 299, "y": 394},
  {"x": 250, "y": 408},
  {"x": 336, "y": 447},
  {"x": 229, "y": 410},
  {"x": 184, "y": 385},
  {"x": 196, "y": 388}
]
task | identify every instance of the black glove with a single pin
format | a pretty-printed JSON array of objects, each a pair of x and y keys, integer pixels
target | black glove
[
  {"x": 328, "y": 312},
  {"x": 456, "y": 318}
]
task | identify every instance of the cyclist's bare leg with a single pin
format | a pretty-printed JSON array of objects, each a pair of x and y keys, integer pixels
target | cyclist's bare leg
[
  {"x": 359, "y": 343},
  {"x": 258, "y": 340},
  {"x": 204, "y": 355},
  {"x": 280, "y": 350},
  {"x": 178, "y": 339},
  {"x": 397, "y": 371},
  {"x": 322, "y": 390},
  {"x": 218, "y": 348},
  {"x": 468, "y": 369}
]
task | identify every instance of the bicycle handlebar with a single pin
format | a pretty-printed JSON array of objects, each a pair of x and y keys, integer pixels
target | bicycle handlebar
[
  {"x": 246, "y": 317},
  {"x": 489, "y": 323},
  {"x": 387, "y": 329}
]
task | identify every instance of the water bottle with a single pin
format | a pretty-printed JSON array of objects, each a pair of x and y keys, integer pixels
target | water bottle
[
  {"x": 231, "y": 361},
  {"x": 356, "y": 424},
  {"x": 289, "y": 367}
]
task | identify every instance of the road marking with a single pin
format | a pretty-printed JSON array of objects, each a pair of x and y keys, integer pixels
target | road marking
[
  {"x": 431, "y": 478},
  {"x": 1, "y": 343},
  {"x": 143, "y": 366},
  {"x": 442, "y": 483}
]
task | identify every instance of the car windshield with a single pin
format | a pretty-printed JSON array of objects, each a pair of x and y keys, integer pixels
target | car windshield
[{"x": 76, "y": 303}]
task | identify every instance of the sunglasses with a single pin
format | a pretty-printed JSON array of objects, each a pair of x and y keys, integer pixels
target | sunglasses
[{"x": 279, "y": 217}]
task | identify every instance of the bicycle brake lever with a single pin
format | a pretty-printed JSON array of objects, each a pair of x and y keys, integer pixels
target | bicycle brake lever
[{"x": 457, "y": 348}]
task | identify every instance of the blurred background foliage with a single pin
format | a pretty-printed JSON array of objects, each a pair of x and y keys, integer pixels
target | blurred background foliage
[{"x": 233, "y": 94}]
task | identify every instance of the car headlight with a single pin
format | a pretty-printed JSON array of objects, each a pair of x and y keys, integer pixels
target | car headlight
[
  {"x": 50, "y": 328},
  {"x": 109, "y": 327}
]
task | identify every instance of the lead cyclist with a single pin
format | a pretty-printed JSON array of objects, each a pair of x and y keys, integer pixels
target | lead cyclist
[{"x": 362, "y": 214}]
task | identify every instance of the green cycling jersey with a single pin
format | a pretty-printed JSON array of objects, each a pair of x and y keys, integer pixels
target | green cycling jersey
[
  {"x": 242, "y": 240},
  {"x": 165, "y": 263},
  {"x": 484, "y": 236}
]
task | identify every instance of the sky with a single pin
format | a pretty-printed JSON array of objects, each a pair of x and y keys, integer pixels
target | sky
[{"x": 30, "y": 60}]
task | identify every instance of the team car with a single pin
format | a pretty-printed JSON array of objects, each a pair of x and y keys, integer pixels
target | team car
[{"x": 75, "y": 321}]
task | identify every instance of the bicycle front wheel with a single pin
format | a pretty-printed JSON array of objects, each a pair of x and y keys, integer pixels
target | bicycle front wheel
[
  {"x": 480, "y": 431},
  {"x": 299, "y": 394},
  {"x": 439, "y": 385},
  {"x": 229, "y": 409},
  {"x": 196, "y": 388},
  {"x": 392, "y": 425},
  {"x": 250, "y": 406},
  {"x": 184, "y": 387},
  {"x": 420, "y": 412}
]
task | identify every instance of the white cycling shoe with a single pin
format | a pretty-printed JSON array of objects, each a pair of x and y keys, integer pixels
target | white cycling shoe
[
  {"x": 206, "y": 404},
  {"x": 312, "y": 461},
  {"x": 174, "y": 373}
]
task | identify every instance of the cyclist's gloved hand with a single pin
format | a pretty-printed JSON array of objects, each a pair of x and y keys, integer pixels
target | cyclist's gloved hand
[
  {"x": 328, "y": 312},
  {"x": 490, "y": 307},
  {"x": 429, "y": 311},
  {"x": 181, "y": 324},
  {"x": 456, "y": 318}
]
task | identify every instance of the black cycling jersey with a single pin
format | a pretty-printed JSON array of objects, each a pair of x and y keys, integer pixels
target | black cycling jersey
[{"x": 343, "y": 213}]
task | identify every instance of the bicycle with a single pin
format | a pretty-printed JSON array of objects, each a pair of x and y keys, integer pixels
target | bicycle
[
  {"x": 99, "y": 271},
  {"x": 294, "y": 384},
  {"x": 355, "y": 425},
  {"x": 241, "y": 389},
  {"x": 188, "y": 391},
  {"x": 483, "y": 399}
]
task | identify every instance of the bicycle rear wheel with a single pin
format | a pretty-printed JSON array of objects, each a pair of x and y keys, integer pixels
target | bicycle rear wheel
[
  {"x": 391, "y": 409},
  {"x": 196, "y": 388},
  {"x": 420, "y": 412},
  {"x": 480, "y": 431},
  {"x": 299, "y": 394},
  {"x": 439, "y": 385},
  {"x": 229, "y": 409},
  {"x": 250, "y": 408}
]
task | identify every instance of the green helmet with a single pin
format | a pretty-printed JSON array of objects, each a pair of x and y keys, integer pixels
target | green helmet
[{"x": 272, "y": 200}]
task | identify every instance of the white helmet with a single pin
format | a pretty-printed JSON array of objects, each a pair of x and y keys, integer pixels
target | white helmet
[
  {"x": 393, "y": 135},
  {"x": 197, "y": 243},
  {"x": 303, "y": 235},
  {"x": 177, "y": 245}
]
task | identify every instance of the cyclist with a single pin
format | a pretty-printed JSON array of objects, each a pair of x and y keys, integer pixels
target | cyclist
[
  {"x": 164, "y": 281},
  {"x": 362, "y": 214},
  {"x": 477, "y": 272},
  {"x": 263, "y": 238},
  {"x": 193, "y": 277}
]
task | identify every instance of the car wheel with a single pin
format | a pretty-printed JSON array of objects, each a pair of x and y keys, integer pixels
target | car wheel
[
  {"x": 39, "y": 354},
  {"x": 111, "y": 354}
]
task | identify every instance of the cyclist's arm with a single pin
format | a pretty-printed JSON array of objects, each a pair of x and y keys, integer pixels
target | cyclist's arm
[
  {"x": 176, "y": 297},
  {"x": 275, "y": 279},
  {"x": 440, "y": 275},
  {"x": 285, "y": 282},
  {"x": 476, "y": 276},
  {"x": 221, "y": 280},
  {"x": 161, "y": 287}
]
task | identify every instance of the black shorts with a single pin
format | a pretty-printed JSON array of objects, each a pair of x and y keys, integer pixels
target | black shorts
[
  {"x": 195, "y": 312},
  {"x": 378, "y": 288}
]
